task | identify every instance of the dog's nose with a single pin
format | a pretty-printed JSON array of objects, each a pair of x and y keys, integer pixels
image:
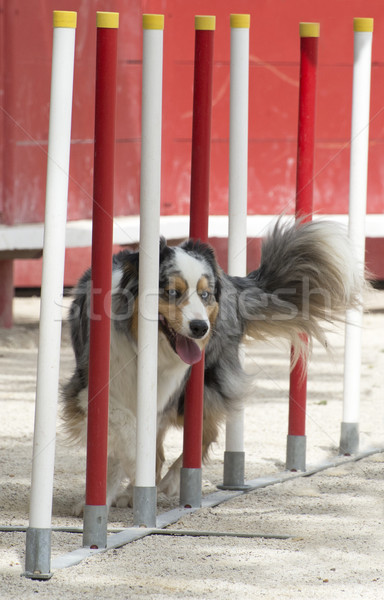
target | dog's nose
[{"x": 198, "y": 328}]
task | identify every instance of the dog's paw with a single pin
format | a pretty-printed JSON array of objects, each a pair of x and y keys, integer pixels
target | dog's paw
[
  {"x": 170, "y": 484},
  {"x": 78, "y": 509},
  {"x": 125, "y": 499}
]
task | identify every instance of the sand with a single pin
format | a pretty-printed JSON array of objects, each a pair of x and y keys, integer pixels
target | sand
[{"x": 334, "y": 519}]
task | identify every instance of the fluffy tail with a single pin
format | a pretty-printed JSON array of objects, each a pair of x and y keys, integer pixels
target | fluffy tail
[{"x": 307, "y": 275}]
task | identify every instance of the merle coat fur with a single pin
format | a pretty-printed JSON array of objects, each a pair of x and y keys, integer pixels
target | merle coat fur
[{"x": 307, "y": 276}]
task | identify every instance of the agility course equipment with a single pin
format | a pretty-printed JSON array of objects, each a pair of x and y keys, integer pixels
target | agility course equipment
[
  {"x": 38, "y": 539},
  {"x": 363, "y": 32},
  {"x": 309, "y": 36},
  {"x": 190, "y": 478},
  {"x": 144, "y": 500},
  {"x": 95, "y": 530},
  {"x": 95, "y": 509},
  {"x": 234, "y": 456}
]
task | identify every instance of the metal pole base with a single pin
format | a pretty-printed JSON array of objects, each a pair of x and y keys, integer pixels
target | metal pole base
[
  {"x": 95, "y": 526},
  {"x": 190, "y": 487},
  {"x": 144, "y": 506},
  {"x": 349, "y": 438},
  {"x": 296, "y": 452},
  {"x": 38, "y": 554},
  {"x": 233, "y": 478}
]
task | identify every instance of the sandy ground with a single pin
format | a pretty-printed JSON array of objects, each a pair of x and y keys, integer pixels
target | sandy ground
[{"x": 335, "y": 518}]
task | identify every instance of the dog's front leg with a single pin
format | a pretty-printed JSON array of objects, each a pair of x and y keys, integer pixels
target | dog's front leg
[{"x": 115, "y": 475}]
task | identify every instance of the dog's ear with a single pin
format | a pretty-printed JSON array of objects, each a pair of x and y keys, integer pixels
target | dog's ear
[
  {"x": 210, "y": 257},
  {"x": 218, "y": 286},
  {"x": 128, "y": 262},
  {"x": 164, "y": 248}
]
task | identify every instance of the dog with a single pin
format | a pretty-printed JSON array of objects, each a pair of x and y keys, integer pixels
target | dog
[{"x": 307, "y": 276}]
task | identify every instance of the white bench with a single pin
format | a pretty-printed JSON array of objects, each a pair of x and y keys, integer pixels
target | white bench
[{"x": 26, "y": 241}]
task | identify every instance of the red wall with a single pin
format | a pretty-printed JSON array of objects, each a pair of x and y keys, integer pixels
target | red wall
[{"x": 26, "y": 28}]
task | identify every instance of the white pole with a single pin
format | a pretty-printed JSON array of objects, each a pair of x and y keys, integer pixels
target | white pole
[
  {"x": 38, "y": 535},
  {"x": 237, "y": 234},
  {"x": 145, "y": 485},
  {"x": 363, "y": 29}
]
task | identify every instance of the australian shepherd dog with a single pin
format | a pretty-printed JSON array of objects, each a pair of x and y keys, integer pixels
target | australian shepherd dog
[{"x": 307, "y": 276}]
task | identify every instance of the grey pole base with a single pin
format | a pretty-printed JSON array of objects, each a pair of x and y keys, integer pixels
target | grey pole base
[
  {"x": 296, "y": 453},
  {"x": 144, "y": 506},
  {"x": 95, "y": 526},
  {"x": 349, "y": 438},
  {"x": 233, "y": 477},
  {"x": 38, "y": 553},
  {"x": 190, "y": 488}
]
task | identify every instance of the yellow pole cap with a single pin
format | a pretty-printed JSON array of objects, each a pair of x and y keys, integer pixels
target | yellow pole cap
[
  {"x": 107, "y": 20},
  {"x": 205, "y": 22},
  {"x": 362, "y": 24},
  {"x": 240, "y": 21},
  {"x": 153, "y": 21},
  {"x": 309, "y": 29},
  {"x": 64, "y": 18}
]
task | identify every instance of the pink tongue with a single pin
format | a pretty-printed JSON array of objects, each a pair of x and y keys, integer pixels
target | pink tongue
[{"x": 188, "y": 350}]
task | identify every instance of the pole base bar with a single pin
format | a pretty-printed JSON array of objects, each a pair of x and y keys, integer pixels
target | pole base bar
[
  {"x": 190, "y": 487},
  {"x": 95, "y": 526},
  {"x": 144, "y": 506},
  {"x": 296, "y": 453},
  {"x": 233, "y": 478},
  {"x": 349, "y": 438},
  {"x": 38, "y": 554}
]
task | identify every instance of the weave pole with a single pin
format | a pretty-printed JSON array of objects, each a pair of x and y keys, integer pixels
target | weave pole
[
  {"x": 144, "y": 496},
  {"x": 363, "y": 33},
  {"x": 234, "y": 456},
  {"x": 38, "y": 539},
  {"x": 190, "y": 478},
  {"x": 309, "y": 36},
  {"x": 95, "y": 509}
]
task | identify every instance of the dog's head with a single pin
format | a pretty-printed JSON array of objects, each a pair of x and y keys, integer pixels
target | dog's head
[{"x": 189, "y": 292}]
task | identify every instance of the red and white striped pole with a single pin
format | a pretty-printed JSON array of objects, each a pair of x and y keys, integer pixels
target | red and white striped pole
[
  {"x": 190, "y": 480},
  {"x": 95, "y": 510},
  {"x": 309, "y": 37}
]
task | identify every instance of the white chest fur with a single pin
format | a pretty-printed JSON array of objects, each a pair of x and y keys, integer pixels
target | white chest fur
[{"x": 123, "y": 372}]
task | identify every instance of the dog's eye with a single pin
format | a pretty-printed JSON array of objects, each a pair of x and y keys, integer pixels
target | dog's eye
[
  {"x": 173, "y": 294},
  {"x": 205, "y": 295}
]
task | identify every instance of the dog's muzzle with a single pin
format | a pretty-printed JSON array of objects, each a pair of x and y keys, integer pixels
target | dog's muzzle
[
  {"x": 198, "y": 328},
  {"x": 185, "y": 347}
]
